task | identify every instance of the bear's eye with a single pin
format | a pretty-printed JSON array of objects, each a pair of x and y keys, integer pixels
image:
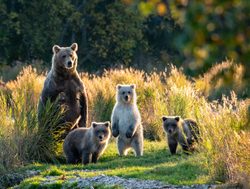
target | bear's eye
[
  {"x": 123, "y": 92},
  {"x": 64, "y": 56},
  {"x": 128, "y": 92},
  {"x": 71, "y": 55}
]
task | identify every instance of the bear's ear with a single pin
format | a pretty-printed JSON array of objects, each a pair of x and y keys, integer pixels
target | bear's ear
[
  {"x": 164, "y": 118},
  {"x": 56, "y": 49},
  {"x": 107, "y": 123},
  {"x": 74, "y": 47},
  {"x": 133, "y": 86},
  {"x": 94, "y": 124},
  {"x": 177, "y": 118},
  {"x": 118, "y": 86}
]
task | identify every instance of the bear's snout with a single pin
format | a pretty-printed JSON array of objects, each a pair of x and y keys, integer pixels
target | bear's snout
[
  {"x": 126, "y": 97},
  {"x": 101, "y": 138},
  {"x": 69, "y": 64},
  {"x": 170, "y": 131}
]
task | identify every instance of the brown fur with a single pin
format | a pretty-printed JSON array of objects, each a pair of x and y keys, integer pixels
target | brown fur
[
  {"x": 87, "y": 144},
  {"x": 180, "y": 131},
  {"x": 64, "y": 84}
]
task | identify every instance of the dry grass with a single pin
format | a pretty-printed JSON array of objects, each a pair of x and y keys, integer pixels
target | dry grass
[
  {"x": 221, "y": 79},
  {"x": 224, "y": 124}
]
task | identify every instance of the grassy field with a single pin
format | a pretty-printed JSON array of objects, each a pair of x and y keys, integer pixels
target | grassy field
[
  {"x": 224, "y": 124},
  {"x": 156, "y": 164}
]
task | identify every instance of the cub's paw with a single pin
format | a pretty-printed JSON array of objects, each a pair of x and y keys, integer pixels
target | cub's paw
[
  {"x": 129, "y": 134},
  {"x": 115, "y": 133}
]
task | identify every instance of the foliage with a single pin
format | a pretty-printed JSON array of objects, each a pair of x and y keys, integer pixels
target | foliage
[
  {"x": 213, "y": 31},
  {"x": 221, "y": 79},
  {"x": 109, "y": 33},
  {"x": 224, "y": 124},
  {"x": 21, "y": 141}
]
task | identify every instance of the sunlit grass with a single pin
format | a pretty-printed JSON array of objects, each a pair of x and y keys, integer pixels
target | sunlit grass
[
  {"x": 224, "y": 125},
  {"x": 156, "y": 164}
]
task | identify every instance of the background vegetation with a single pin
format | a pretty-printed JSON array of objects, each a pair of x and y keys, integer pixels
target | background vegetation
[
  {"x": 224, "y": 124},
  {"x": 144, "y": 34}
]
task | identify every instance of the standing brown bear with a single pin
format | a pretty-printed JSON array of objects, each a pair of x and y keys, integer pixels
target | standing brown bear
[{"x": 64, "y": 84}]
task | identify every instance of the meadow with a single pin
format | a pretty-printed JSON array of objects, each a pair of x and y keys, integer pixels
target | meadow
[{"x": 222, "y": 155}]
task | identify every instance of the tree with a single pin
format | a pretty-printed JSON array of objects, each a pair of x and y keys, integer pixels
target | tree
[{"x": 213, "y": 31}]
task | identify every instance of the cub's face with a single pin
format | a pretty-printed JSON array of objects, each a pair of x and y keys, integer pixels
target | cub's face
[
  {"x": 65, "y": 58},
  {"x": 101, "y": 131},
  {"x": 170, "y": 124},
  {"x": 125, "y": 93}
]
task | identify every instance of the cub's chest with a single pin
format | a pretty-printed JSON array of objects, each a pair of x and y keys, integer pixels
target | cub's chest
[{"x": 125, "y": 115}]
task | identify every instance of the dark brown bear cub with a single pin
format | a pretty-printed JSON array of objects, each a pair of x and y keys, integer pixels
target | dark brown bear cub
[
  {"x": 64, "y": 84},
  {"x": 87, "y": 144},
  {"x": 185, "y": 132}
]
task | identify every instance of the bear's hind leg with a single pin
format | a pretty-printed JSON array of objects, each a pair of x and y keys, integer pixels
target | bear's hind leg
[
  {"x": 122, "y": 148},
  {"x": 184, "y": 144},
  {"x": 137, "y": 145}
]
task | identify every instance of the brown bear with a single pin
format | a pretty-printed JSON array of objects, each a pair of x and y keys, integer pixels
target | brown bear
[
  {"x": 64, "y": 84},
  {"x": 87, "y": 144},
  {"x": 185, "y": 132}
]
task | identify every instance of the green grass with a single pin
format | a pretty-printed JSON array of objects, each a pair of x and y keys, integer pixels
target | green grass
[{"x": 156, "y": 164}]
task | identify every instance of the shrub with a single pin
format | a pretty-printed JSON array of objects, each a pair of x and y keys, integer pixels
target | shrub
[{"x": 221, "y": 79}]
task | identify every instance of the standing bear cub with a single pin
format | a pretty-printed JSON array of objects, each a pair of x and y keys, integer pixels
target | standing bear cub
[
  {"x": 126, "y": 121},
  {"x": 180, "y": 131},
  {"x": 64, "y": 85},
  {"x": 87, "y": 144}
]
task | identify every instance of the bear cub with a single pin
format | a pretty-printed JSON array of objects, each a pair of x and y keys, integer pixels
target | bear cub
[
  {"x": 126, "y": 121},
  {"x": 185, "y": 132},
  {"x": 87, "y": 144}
]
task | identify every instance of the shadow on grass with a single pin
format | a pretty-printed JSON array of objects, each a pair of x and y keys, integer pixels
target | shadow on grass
[
  {"x": 183, "y": 172},
  {"x": 149, "y": 159}
]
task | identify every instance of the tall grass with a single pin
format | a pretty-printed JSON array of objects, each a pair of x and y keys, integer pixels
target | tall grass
[
  {"x": 224, "y": 123},
  {"x": 225, "y": 135},
  {"x": 21, "y": 140}
]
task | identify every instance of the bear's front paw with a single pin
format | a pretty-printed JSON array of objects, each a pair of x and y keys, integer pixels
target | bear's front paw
[
  {"x": 129, "y": 134},
  {"x": 115, "y": 133}
]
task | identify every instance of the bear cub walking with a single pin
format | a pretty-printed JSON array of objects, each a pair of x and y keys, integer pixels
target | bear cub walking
[
  {"x": 180, "y": 131},
  {"x": 87, "y": 144},
  {"x": 126, "y": 121}
]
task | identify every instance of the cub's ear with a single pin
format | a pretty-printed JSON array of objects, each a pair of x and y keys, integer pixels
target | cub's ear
[
  {"x": 94, "y": 124},
  {"x": 133, "y": 86},
  {"x": 177, "y": 118},
  {"x": 107, "y": 123},
  {"x": 118, "y": 86},
  {"x": 56, "y": 49},
  {"x": 164, "y": 118},
  {"x": 74, "y": 47}
]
